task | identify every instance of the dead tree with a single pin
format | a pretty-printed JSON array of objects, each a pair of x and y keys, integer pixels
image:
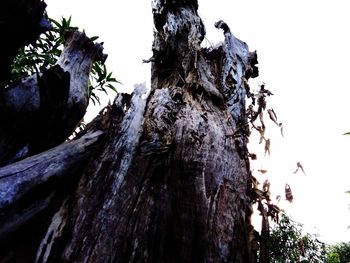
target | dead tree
[{"x": 161, "y": 176}]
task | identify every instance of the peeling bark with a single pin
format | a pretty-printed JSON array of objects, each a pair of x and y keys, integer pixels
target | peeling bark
[{"x": 170, "y": 180}]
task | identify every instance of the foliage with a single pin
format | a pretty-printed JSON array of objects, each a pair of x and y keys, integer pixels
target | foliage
[
  {"x": 100, "y": 80},
  {"x": 45, "y": 52},
  {"x": 287, "y": 243},
  {"x": 339, "y": 253}
]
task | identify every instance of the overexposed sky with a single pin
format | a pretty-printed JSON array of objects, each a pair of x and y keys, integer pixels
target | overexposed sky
[{"x": 303, "y": 50}]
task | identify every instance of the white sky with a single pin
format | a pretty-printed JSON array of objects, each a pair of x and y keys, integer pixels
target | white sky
[{"x": 303, "y": 50}]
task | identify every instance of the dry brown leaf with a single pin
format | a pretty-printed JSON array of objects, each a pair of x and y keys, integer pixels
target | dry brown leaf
[
  {"x": 266, "y": 189},
  {"x": 261, "y": 130},
  {"x": 282, "y": 130},
  {"x": 253, "y": 156},
  {"x": 273, "y": 211},
  {"x": 266, "y": 186},
  {"x": 261, "y": 118},
  {"x": 267, "y": 147},
  {"x": 288, "y": 192},
  {"x": 299, "y": 167},
  {"x": 278, "y": 198},
  {"x": 255, "y": 182},
  {"x": 273, "y": 116}
]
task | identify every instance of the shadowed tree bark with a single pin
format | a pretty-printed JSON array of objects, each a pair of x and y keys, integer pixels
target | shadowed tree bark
[{"x": 158, "y": 176}]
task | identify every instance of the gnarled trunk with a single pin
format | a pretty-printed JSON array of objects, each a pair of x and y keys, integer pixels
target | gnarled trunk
[{"x": 169, "y": 180}]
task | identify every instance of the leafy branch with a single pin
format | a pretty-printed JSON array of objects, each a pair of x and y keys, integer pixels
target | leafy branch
[
  {"x": 100, "y": 80},
  {"x": 45, "y": 52}
]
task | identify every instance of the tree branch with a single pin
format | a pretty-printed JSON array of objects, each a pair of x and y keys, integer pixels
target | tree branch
[{"x": 21, "y": 180}]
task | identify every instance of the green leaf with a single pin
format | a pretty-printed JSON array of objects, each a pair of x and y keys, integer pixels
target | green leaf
[
  {"x": 113, "y": 80},
  {"x": 57, "y": 24},
  {"x": 103, "y": 89},
  {"x": 347, "y": 133},
  {"x": 111, "y": 87},
  {"x": 97, "y": 69},
  {"x": 95, "y": 99},
  {"x": 94, "y": 38},
  {"x": 69, "y": 20},
  {"x": 109, "y": 76}
]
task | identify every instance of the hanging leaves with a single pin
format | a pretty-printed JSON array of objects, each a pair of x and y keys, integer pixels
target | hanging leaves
[
  {"x": 255, "y": 113},
  {"x": 260, "y": 98},
  {"x": 262, "y": 197},
  {"x": 288, "y": 193}
]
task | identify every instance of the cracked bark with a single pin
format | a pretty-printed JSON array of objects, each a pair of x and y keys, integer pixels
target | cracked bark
[{"x": 170, "y": 180}]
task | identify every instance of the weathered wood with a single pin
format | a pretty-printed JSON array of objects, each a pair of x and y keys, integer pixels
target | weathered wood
[
  {"x": 40, "y": 112},
  {"x": 99, "y": 190},
  {"x": 23, "y": 180}
]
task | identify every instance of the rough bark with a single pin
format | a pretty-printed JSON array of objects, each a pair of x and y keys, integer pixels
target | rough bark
[{"x": 170, "y": 182}]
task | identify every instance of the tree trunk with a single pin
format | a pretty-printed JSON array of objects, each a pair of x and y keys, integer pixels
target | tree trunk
[{"x": 169, "y": 180}]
